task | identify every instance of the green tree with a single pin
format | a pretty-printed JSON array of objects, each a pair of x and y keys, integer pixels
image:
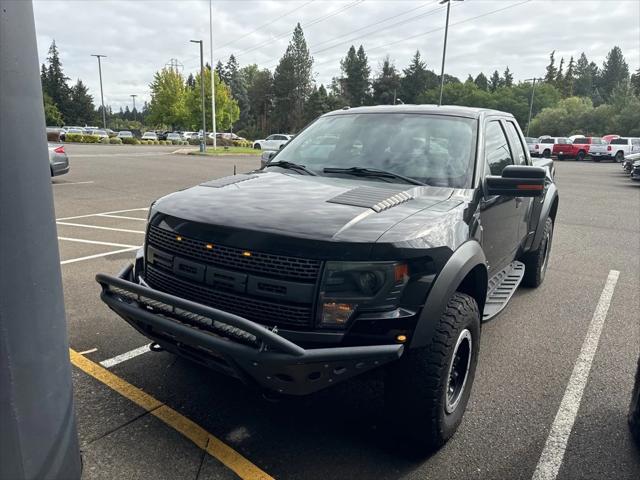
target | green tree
[
  {"x": 227, "y": 111},
  {"x": 552, "y": 71},
  {"x": 559, "y": 80},
  {"x": 54, "y": 82},
  {"x": 481, "y": 81},
  {"x": 168, "y": 99},
  {"x": 416, "y": 80},
  {"x": 52, "y": 115},
  {"x": 292, "y": 83},
  {"x": 584, "y": 82},
  {"x": 635, "y": 82},
  {"x": 568, "y": 83},
  {"x": 356, "y": 72},
  {"x": 238, "y": 87},
  {"x": 495, "y": 81},
  {"x": 81, "y": 108},
  {"x": 386, "y": 84},
  {"x": 221, "y": 70},
  {"x": 317, "y": 104},
  {"x": 508, "y": 78},
  {"x": 615, "y": 71},
  {"x": 260, "y": 93}
]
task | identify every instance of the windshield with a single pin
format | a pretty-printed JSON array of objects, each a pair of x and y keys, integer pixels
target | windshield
[
  {"x": 125, "y": 134},
  {"x": 433, "y": 149}
]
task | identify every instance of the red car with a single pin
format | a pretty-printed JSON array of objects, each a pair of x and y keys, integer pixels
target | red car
[{"x": 579, "y": 148}]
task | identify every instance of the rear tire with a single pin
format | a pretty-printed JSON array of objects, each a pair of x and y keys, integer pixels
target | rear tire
[
  {"x": 634, "y": 408},
  {"x": 619, "y": 157},
  {"x": 581, "y": 156},
  {"x": 427, "y": 390},
  {"x": 536, "y": 261},
  {"x": 547, "y": 153}
]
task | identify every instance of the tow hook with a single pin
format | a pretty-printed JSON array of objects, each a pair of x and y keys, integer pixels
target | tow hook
[{"x": 155, "y": 347}]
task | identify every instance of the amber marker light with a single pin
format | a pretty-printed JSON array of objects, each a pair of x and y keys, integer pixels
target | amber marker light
[
  {"x": 209, "y": 246},
  {"x": 401, "y": 271},
  {"x": 179, "y": 238},
  {"x": 246, "y": 254},
  {"x": 401, "y": 338}
]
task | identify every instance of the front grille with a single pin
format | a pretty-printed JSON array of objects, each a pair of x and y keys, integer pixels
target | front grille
[
  {"x": 260, "y": 311},
  {"x": 278, "y": 266}
]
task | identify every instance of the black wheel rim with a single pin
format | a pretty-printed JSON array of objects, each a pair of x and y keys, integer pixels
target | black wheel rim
[{"x": 459, "y": 370}]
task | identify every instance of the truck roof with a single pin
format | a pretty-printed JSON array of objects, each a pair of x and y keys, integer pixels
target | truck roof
[{"x": 455, "y": 110}]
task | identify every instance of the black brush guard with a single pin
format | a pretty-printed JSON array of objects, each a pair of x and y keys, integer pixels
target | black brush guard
[{"x": 234, "y": 345}]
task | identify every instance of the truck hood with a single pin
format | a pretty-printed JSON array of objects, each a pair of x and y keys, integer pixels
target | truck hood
[{"x": 302, "y": 206}]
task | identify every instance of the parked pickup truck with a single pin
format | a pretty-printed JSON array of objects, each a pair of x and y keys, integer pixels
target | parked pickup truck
[
  {"x": 579, "y": 148},
  {"x": 620, "y": 147},
  {"x": 379, "y": 237},
  {"x": 544, "y": 146}
]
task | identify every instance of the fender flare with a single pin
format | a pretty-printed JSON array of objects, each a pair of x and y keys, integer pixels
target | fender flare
[
  {"x": 550, "y": 198},
  {"x": 463, "y": 260}
]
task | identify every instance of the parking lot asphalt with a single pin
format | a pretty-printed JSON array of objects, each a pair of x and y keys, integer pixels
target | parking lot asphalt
[{"x": 216, "y": 428}]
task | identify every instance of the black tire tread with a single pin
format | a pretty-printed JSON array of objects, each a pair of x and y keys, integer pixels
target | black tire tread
[
  {"x": 533, "y": 261},
  {"x": 421, "y": 400}
]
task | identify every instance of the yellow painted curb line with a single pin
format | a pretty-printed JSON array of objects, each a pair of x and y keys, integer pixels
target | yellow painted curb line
[{"x": 191, "y": 430}]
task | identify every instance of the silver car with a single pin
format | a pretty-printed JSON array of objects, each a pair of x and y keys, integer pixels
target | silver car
[{"x": 58, "y": 160}]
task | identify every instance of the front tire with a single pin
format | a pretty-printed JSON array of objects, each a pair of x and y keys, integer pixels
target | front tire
[
  {"x": 427, "y": 390},
  {"x": 547, "y": 154},
  {"x": 581, "y": 156},
  {"x": 536, "y": 261},
  {"x": 257, "y": 146}
]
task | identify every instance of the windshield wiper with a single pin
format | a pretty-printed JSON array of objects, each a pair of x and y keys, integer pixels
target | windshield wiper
[
  {"x": 372, "y": 172},
  {"x": 291, "y": 166}
]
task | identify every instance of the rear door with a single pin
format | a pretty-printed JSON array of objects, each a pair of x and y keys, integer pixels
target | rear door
[
  {"x": 523, "y": 204},
  {"x": 500, "y": 216}
]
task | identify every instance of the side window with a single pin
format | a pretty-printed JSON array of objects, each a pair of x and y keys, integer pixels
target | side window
[
  {"x": 496, "y": 148},
  {"x": 636, "y": 141},
  {"x": 516, "y": 144},
  {"x": 271, "y": 137}
]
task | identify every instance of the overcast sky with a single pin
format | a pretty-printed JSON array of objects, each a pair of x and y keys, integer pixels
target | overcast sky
[{"x": 139, "y": 37}]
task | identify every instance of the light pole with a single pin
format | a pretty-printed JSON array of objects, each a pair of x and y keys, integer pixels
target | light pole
[
  {"x": 203, "y": 142},
  {"x": 133, "y": 97},
  {"x": 533, "y": 91},
  {"x": 444, "y": 50},
  {"x": 213, "y": 87},
  {"x": 104, "y": 115}
]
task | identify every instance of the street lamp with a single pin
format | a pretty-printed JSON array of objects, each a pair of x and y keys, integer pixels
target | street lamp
[
  {"x": 533, "y": 91},
  {"x": 213, "y": 88},
  {"x": 203, "y": 142},
  {"x": 444, "y": 50},
  {"x": 104, "y": 116},
  {"x": 133, "y": 97}
]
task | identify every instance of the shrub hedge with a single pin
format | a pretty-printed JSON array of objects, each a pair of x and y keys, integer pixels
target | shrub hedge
[
  {"x": 104, "y": 140},
  {"x": 115, "y": 141},
  {"x": 128, "y": 140}
]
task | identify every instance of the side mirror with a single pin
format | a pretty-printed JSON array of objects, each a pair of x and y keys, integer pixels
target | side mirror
[
  {"x": 517, "y": 181},
  {"x": 266, "y": 157}
]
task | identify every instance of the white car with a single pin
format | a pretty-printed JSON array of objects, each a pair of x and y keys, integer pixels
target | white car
[
  {"x": 189, "y": 135},
  {"x": 619, "y": 148},
  {"x": 531, "y": 143},
  {"x": 99, "y": 133},
  {"x": 173, "y": 136},
  {"x": 125, "y": 134},
  {"x": 149, "y": 136},
  {"x": 272, "y": 142}
]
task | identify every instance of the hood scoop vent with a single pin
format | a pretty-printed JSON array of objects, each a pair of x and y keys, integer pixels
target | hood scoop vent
[
  {"x": 377, "y": 199},
  {"x": 224, "y": 181}
]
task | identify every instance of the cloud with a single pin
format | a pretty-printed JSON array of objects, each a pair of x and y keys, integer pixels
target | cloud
[{"x": 140, "y": 37}]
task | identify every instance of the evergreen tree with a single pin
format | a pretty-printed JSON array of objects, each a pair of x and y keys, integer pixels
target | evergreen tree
[
  {"x": 481, "y": 82},
  {"x": 416, "y": 80},
  {"x": 583, "y": 83},
  {"x": 356, "y": 72},
  {"x": 238, "y": 89},
  {"x": 635, "y": 82},
  {"x": 127, "y": 113},
  {"x": 569, "y": 79},
  {"x": 81, "y": 108},
  {"x": 559, "y": 80},
  {"x": 508, "y": 78},
  {"x": 469, "y": 80},
  {"x": 54, "y": 82},
  {"x": 52, "y": 115},
  {"x": 317, "y": 104},
  {"x": 615, "y": 71},
  {"x": 552, "y": 71},
  {"x": 386, "y": 84},
  {"x": 495, "y": 81},
  {"x": 292, "y": 83},
  {"x": 222, "y": 72},
  {"x": 191, "y": 82}
]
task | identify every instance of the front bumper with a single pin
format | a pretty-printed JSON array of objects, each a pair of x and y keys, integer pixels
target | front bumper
[{"x": 234, "y": 345}]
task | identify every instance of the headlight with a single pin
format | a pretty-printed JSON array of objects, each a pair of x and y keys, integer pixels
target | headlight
[{"x": 348, "y": 285}]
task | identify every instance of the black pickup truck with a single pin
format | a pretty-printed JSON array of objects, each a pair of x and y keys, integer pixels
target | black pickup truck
[{"x": 377, "y": 237}]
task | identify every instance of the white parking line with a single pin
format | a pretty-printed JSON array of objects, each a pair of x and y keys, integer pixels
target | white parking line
[
  {"x": 98, "y": 255},
  {"x": 553, "y": 452},
  {"x": 96, "y": 242},
  {"x": 72, "y": 183},
  {"x": 103, "y": 213},
  {"x": 121, "y": 217},
  {"x": 100, "y": 228},
  {"x": 125, "y": 356}
]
